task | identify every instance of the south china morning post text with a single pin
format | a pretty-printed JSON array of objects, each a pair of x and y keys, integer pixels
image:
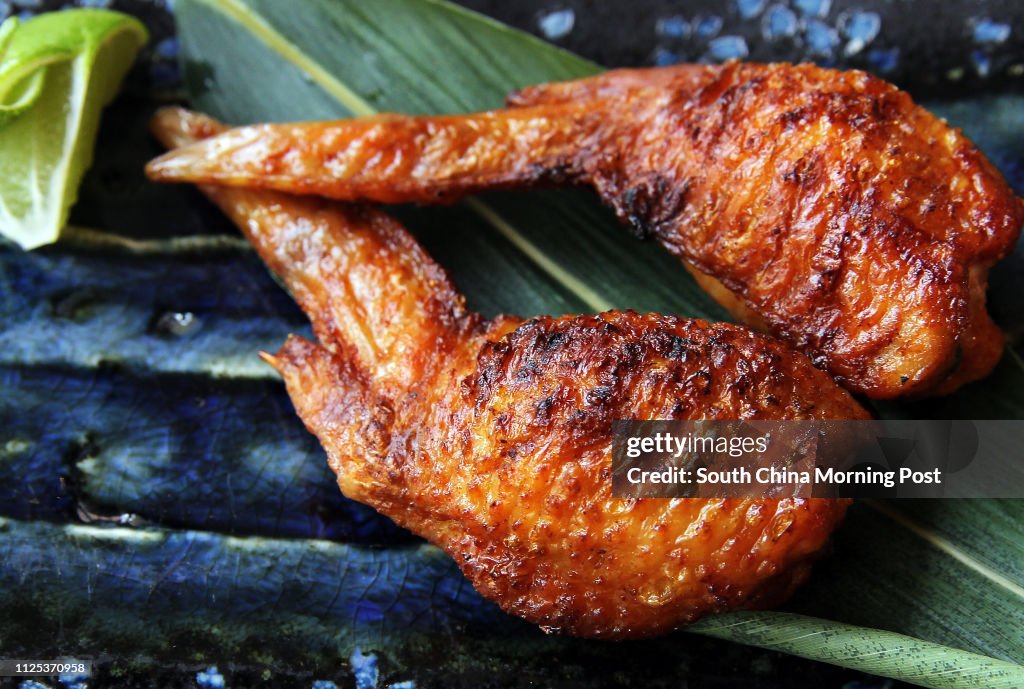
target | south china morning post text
[
  {"x": 807, "y": 459},
  {"x": 666, "y": 443}
]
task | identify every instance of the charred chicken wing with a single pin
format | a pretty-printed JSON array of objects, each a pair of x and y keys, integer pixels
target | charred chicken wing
[
  {"x": 823, "y": 205},
  {"x": 492, "y": 438}
]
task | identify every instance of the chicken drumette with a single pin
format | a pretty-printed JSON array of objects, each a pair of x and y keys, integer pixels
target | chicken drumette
[
  {"x": 823, "y": 205},
  {"x": 492, "y": 438}
]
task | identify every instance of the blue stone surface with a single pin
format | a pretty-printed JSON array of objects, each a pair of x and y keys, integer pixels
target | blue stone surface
[
  {"x": 707, "y": 27},
  {"x": 210, "y": 678},
  {"x": 982, "y": 62},
  {"x": 813, "y": 8},
  {"x": 364, "y": 669},
  {"x": 860, "y": 28},
  {"x": 672, "y": 27},
  {"x": 884, "y": 59},
  {"x": 557, "y": 24},
  {"x": 167, "y": 48},
  {"x": 779, "y": 22},
  {"x": 728, "y": 48},
  {"x": 822, "y": 38},
  {"x": 750, "y": 8},
  {"x": 664, "y": 58},
  {"x": 988, "y": 31},
  {"x": 74, "y": 680}
]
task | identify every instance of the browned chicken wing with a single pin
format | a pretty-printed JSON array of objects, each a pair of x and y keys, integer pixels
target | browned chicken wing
[
  {"x": 823, "y": 205},
  {"x": 492, "y": 439}
]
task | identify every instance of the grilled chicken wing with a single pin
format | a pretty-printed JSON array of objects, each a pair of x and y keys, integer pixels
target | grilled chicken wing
[
  {"x": 822, "y": 205},
  {"x": 492, "y": 439}
]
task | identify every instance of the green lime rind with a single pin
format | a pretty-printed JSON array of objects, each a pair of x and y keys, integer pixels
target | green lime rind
[
  {"x": 6, "y": 33},
  {"x": 57, "y": 72},
  {"x": 18, "y": 88}
]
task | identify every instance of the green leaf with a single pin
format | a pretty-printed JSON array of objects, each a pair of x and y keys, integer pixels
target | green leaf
[
  {"x": 945, "y": 573},
  {"x": 937, "y": 570},
  {"x": 869, "y": 650},
  {"x": 58, "y": 71}
]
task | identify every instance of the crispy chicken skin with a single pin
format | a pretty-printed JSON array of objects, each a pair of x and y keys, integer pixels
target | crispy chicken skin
[
  {"x": 492, "y": 439},
  {"x": 822, "y": 205}
]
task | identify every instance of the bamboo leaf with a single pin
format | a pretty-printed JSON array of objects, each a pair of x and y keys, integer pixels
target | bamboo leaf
[
  {"x": 878, "y": 652},
  {"x": 911, "y": 573}
]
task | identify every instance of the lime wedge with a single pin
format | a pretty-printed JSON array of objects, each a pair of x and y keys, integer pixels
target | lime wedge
[{"x": 57, "y": 72}]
